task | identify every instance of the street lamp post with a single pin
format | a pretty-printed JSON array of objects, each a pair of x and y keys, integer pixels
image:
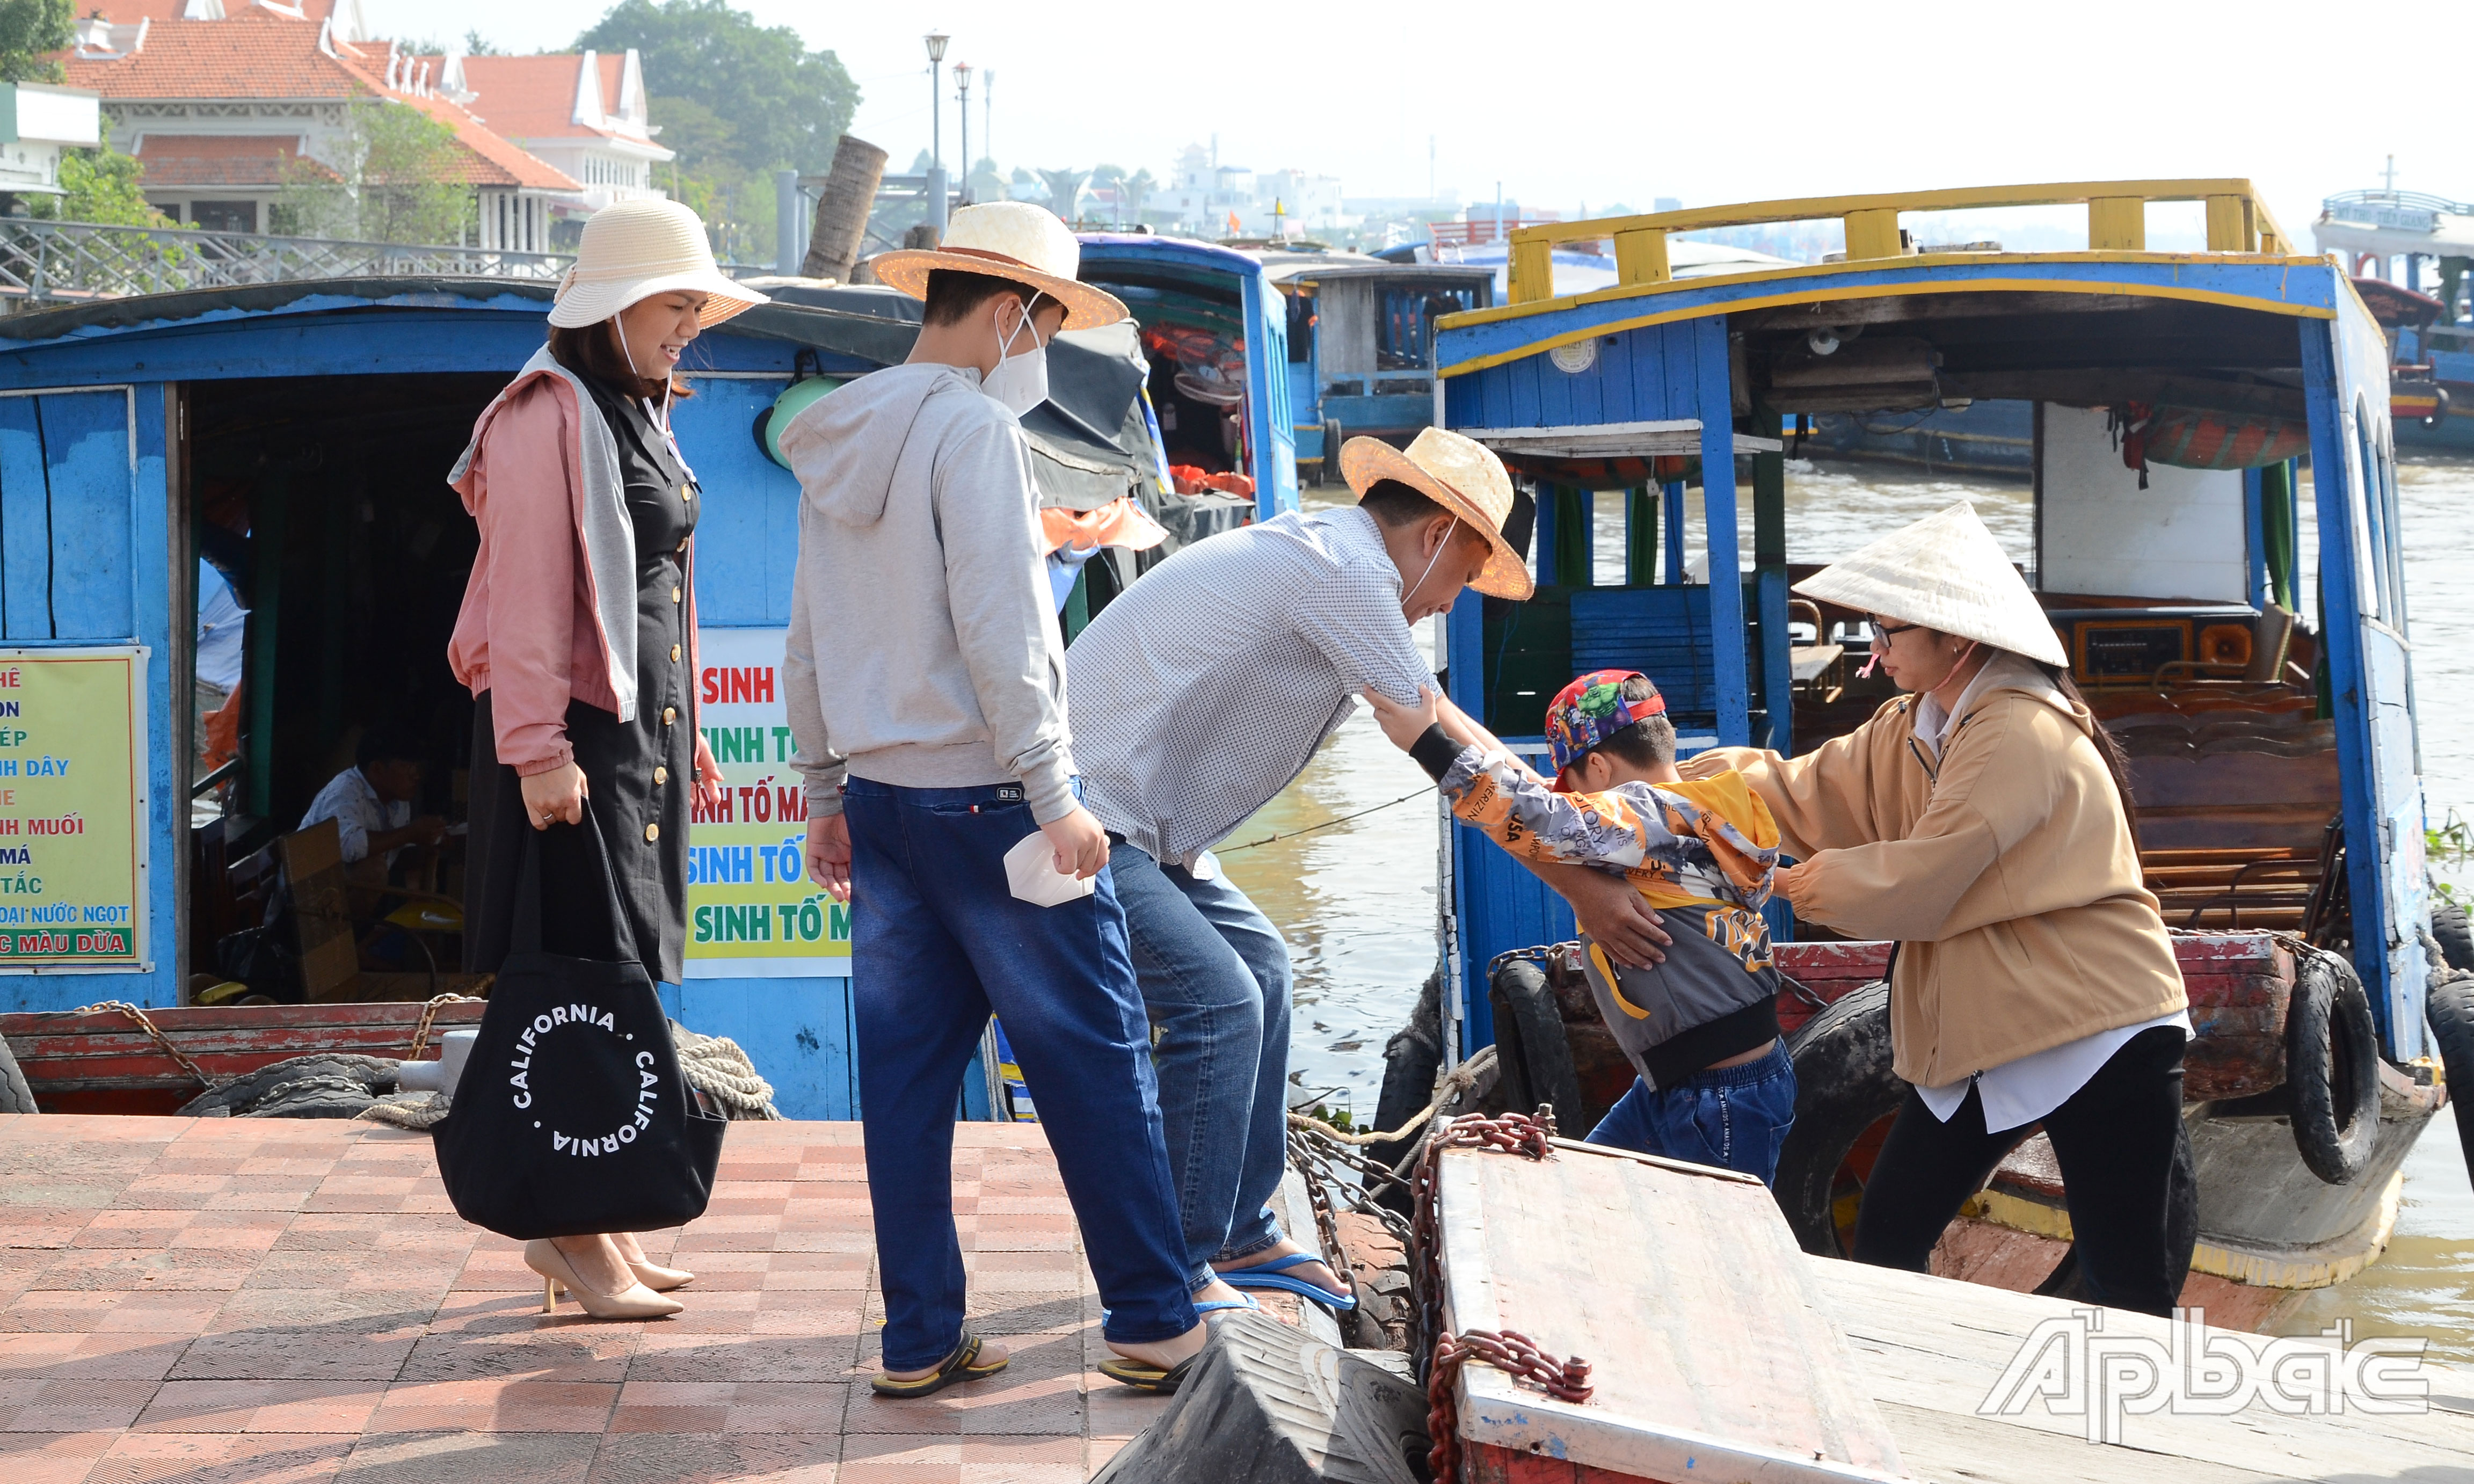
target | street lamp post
[
  {"x": 937, "y": 41},
  {"x": 988, "y": 112},
  {"x": 962, "y": 95}
]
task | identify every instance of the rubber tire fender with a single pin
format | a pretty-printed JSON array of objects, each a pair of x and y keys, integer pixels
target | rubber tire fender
[
  {"x": 1843, "y": 1086},
  {"x": 2331, "y": 1069},
  {"x": 1535, "y": 1053},
  {"x": 2455, "y": 935},
  {"x": 15, "y": 1097},
  {"x": 2449, "y": 1007}
]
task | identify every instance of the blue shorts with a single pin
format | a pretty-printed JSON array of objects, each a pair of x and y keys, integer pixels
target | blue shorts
[{"x": 1733, "y": 1117}]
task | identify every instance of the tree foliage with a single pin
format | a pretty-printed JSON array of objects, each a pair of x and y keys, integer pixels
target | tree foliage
[
  {"x": 785, "y": 106},
  {"x": 30, "y": 31},
  {"x": 100, "y": 185},
  {"x": 737, "y": 203},
  {"x": 397, "y": 177}
]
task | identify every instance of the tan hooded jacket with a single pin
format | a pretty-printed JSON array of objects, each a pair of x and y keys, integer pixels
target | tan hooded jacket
[{"x": 2005, "y": 870}]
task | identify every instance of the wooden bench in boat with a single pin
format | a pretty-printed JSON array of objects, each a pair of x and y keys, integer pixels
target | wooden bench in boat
[{"x": 2240, "y": 985}]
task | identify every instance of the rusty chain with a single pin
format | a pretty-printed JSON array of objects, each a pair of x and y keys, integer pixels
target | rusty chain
[
  {"x": 1527, "y": 1134},
  {"x": 1320, "y": 1159},
  {"x": 155, "y": 1032},
  {"x": 430, "y": 1013}
]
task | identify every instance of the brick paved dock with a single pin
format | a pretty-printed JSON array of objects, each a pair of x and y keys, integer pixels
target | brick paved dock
[{"x": 220, "y": 1300}]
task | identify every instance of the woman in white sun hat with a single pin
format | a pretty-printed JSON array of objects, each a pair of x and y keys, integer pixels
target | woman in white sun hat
[
  {"x": 577, "y": 640},
  {"x": 1983, "y": 821}
]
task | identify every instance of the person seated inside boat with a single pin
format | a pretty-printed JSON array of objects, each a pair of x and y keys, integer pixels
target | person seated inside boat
[
  {"x": 370, "y": 803},
  {"x": 1715, "y": 1084}
]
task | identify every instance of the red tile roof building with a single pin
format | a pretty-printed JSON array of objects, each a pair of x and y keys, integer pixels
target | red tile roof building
[
  {"x": 218, "y": 98},
  {"x": 586, "y": 114}
]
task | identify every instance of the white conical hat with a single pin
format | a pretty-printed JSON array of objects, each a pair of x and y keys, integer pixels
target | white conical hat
[{"x": 1945, "y": 571}]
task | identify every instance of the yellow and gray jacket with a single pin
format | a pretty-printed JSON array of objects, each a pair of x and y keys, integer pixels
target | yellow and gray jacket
[{"x": 1700, "y": 853}]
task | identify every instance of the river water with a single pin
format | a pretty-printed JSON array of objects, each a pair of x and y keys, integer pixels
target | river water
[{"x": 1357, "y": 899}]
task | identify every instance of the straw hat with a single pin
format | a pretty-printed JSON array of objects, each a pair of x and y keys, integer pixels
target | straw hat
[
  {"x": 633, "y": 250},
  {"x": 1460, "y": 474},
  {"x": 1006, "y": 239},
  {"x": 1945, "y": 571}
]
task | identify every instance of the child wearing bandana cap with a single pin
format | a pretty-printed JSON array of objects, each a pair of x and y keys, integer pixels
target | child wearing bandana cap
[{"x": 1715, "y": 1086}]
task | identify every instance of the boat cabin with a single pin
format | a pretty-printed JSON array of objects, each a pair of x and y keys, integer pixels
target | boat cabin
[
  {"x": 2170, "y": 402},
  {"x": 290, "y": 442},
  {"x": 1360, "y": 346}
]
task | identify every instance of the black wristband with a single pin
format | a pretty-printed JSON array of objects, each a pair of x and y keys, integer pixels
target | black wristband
[{"x": 1435, "y": 752}]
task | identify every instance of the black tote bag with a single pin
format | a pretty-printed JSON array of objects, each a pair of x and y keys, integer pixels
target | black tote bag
[{"x": 573, "y": 1116}]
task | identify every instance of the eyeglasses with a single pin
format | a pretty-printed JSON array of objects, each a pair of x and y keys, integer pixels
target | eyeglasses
[{"x": 1883, "y": 633}]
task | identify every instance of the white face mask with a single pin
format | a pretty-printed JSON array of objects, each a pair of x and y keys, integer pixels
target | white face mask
[
  {"x": 1020, "y": 382},
  {"x": 1449, "y": 532}
]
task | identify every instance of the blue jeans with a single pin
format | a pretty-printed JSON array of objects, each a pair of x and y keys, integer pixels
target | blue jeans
[
  {"x": 938, "y": 941},
  {"x": 1215, "y": 979},
  {"x": 1734, "y": 1117}
]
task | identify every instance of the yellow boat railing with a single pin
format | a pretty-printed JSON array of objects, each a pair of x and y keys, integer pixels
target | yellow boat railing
[{"x": 2238, "y": 222}]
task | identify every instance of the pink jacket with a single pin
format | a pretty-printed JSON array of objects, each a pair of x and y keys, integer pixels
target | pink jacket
[{"x": 531, "y": 630}]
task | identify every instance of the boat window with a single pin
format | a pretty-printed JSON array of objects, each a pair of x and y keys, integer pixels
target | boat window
[
  {"x": 2391, "y": 505},
  {"x": 1404, "y": 334},
  {"x": 2371, "y": 508}
]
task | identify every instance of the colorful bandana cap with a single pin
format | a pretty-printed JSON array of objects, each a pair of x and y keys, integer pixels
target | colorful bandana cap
[{"x": 1592, "y": 709}]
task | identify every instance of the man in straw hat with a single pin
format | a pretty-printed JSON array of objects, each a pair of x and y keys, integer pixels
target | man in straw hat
[
  {"x": 1983, "y": 821},
  {"x": 924, "y": 680},
  {"x": 1197, "y": 696}
]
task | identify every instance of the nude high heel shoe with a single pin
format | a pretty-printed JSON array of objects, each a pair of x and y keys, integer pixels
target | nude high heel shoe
[
  {"x": 660, "y": 1279},
  {"x": 637, "y": 1303}
]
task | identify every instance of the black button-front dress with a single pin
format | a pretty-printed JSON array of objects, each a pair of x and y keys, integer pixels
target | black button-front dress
[{"x": 639, "y": 775}]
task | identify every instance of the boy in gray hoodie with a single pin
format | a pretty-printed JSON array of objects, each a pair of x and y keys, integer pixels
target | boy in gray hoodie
[{"x": 925, "y": 679}]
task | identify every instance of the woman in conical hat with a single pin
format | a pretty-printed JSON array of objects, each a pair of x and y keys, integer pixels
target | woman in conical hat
[{"x": 1982, "y": 820}]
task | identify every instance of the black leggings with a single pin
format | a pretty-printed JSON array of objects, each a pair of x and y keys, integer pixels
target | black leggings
[{"x": 2126, "y": 1177}]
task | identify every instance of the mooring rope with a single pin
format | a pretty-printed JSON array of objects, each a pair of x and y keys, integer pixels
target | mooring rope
[{"x": 1273, "y": 839}]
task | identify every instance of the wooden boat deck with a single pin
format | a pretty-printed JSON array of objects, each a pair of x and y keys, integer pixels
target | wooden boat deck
[
  {"x": 220, "y": 1300},
  {"x": 1719, "y": 1351}
]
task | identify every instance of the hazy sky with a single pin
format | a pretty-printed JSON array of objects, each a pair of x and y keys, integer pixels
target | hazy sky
[{"x": 1609, "y": 102}]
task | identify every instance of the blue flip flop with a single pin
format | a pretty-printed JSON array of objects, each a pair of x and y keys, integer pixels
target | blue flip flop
[
  {"x": 1213, "y": 1306},
  {"x": 1272, "y": 1276}
]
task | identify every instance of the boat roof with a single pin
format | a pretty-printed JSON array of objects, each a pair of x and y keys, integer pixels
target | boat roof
[
  {"x": 845, "y": 334},
  {"x": 1325, "y": 268},
  {"x": 2249, "y": 264}
]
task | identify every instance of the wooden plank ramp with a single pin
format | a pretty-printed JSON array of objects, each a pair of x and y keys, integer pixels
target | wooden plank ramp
[
  {"x": 1931, "y": 1352},
  {"x": 1720, "y": 1352}
]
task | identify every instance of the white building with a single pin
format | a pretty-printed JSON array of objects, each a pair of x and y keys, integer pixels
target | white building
[
  {"x": 37, "y": 122},
  {"x": 584, "y": 114},
  {"x": 1212, "y": 200}
]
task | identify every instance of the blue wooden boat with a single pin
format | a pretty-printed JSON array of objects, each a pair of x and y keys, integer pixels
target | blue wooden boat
[
  {"x": 1216, "y": 331},
  {"x": 2261, "y": 806},
  {"x": 299, "y": 434}
]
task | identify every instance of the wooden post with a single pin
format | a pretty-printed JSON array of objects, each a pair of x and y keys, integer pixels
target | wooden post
[
  {"x": 267, "y": 520},
  {"x": 1641, "y": 536},
  {"x": 1718, "y": 533},
  {"x": 1672, "y": 497},
  {"x": 1641, "y": 257},
  {"x": 841, "y": 211},
  {"x": 2229, "y": 226},
  {"x": 1769, "y": 576},
  {"x": 1872, "y": 233},
  {"x": 1532, "y": 268},
  {"x": 1575, "y": 537},
  {"x": 2119, "y": 223}
]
